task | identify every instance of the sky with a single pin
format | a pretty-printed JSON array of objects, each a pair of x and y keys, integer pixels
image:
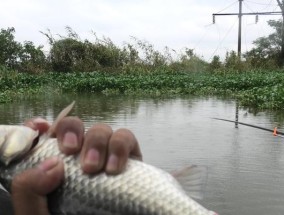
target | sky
[{"x": 177, "y": 24}]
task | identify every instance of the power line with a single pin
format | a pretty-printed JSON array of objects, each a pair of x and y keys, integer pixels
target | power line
[
  {"x": 269, "y": 5},
  {"x": 253, "y": 13},
  {"x": 262, "y": 3},
  {"x": 203, "y": 36},
  {"x": 240, "y": 14},
  {"x": 230, "y": 29},
  {"x": 228, "y": 6},
  {"x": 246, "y": 5}
]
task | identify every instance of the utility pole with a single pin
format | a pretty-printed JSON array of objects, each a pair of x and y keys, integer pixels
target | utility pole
[{"x": 240, "y": 14}]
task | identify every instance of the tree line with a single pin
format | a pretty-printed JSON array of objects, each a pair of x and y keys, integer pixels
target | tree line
[{"x": 72, "y": 54}]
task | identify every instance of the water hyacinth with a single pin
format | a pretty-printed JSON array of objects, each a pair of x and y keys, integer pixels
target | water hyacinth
[{"x": 252, "y": 89}]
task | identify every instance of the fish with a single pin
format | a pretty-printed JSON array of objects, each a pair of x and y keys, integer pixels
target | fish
[{"x": 141, "y": 189}]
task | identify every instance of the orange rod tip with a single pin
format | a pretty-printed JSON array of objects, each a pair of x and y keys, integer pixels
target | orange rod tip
[{"x": 275, "y": 131}]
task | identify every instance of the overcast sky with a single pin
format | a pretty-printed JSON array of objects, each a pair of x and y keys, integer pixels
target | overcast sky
[{"x": 173, "y": 23}]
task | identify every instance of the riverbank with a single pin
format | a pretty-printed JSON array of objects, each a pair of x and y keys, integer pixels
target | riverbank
[{"x": 261, "y": 90}]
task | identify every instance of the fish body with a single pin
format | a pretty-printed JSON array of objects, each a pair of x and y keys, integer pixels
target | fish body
[{"x": 141, "y": 189}]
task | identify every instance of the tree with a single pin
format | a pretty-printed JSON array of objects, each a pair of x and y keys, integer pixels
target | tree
[
  {"x": 9, "y": 48},
  {"x": 232, "y": 61},
  {"x": 66, "y": 54},
  {"x": 215, "y": 64},
  {"x": 22, "y": 57},
  {"x": 32, "y": 59},
  {"x": 281, "y": 5},
  {"x": 267, "y": 48}
]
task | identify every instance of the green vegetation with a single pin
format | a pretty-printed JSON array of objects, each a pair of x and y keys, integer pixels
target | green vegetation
[
  {"x": 254, "y": 89},
  {"x": 75, "y": 65}
]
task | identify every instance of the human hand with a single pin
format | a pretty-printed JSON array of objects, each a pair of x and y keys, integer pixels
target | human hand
[{"x": 100, "y": 149}]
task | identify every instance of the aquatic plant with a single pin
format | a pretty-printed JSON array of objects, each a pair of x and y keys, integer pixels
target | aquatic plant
[{"x": 254, "y": 89}]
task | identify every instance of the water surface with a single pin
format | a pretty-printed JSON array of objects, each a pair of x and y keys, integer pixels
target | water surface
[{"x": 245, "y": 165}]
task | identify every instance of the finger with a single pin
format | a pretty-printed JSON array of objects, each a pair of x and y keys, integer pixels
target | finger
[
  {"x": 70, "y": 135},
  {"x": 29, "y": 189},
  {"x": 122, "y": 144},
  {"x": 39, "y": 124},
  {"x": 95, "y": 146}
]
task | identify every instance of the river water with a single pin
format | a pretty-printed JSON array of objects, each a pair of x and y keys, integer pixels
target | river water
[{"x": 245, "y": 165}]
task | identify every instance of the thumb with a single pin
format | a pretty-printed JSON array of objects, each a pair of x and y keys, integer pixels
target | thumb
[{"x": 29, "y": 189}]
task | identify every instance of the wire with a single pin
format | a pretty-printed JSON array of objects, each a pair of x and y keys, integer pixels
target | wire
[
  {"x": 261, "y": 3},
  {"x": 201, "y": 39},
  {"x": 263, "y": 9},
  {"x": 269, "y": 5},
  {"x": 223, "y": 39},
  {"x": 203, "y": 36},
  {"x": 249, "y": 7},
  {"x": 227, "y": 7},
  {"x": 246, "y": 5},
  {"x": 246, "y": 35}
]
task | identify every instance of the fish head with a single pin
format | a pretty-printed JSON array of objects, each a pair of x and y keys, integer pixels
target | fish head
[{"x": 15, "y": 142}]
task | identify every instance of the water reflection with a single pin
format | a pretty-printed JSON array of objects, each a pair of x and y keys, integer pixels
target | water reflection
[{"x": 246, "y": 165}]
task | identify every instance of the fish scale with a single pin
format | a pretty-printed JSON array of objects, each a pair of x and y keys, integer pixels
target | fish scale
[{"x": 140, "y": 190}]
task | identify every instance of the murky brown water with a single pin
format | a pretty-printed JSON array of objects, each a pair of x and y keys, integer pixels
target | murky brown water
[{"x": 246, "y": 165}]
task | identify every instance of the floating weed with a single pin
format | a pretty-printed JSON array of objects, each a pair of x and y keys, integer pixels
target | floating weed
[{"x": 252, "y": 89}]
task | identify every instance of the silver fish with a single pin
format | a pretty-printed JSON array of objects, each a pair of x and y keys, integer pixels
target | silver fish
[{"x": 141, "y": 189}]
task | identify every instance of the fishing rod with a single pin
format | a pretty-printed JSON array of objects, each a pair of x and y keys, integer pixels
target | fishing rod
[{"x": 274, "y": 131}]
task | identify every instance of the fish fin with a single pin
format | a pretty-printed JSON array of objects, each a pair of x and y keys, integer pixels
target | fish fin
[
  {"x": 60, "y": 116},
  {"x": 192, "y": 179}
]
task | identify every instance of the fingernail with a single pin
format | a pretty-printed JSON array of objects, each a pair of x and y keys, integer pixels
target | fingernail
[
  {"x": 92, "y": 157},
  {"x": 49, "y": 164},
  {"x": 70, "y": 140},
  {"x": 112, "y": 164}
]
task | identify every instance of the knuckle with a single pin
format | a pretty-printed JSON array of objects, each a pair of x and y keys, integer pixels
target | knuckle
[
  {"x": 101, "y": 127},
  {"x": 98, "y": 136},
  {"x": 124, "y": 133},
  {"x": 119, "y": 145}
]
